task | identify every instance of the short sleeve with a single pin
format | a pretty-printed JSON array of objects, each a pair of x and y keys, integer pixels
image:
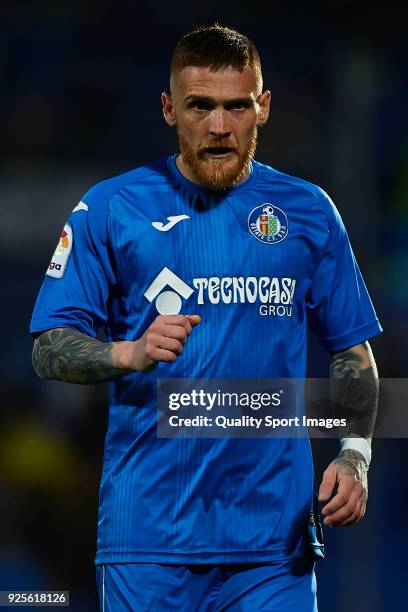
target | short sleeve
[
  {"x": 80, "y": 277},
  {"x": 339, "y": 308}
]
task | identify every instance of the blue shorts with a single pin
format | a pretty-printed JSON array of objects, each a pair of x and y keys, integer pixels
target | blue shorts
[{"x": 284, "y": 586}]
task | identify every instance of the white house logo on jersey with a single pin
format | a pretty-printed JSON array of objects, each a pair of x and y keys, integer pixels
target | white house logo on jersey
[
  {"x": 59, "y": 260},
  {"x": 168, "y": 302},
  {"x": 268, "y": 223},
  {"x": 271, "y": 295}
]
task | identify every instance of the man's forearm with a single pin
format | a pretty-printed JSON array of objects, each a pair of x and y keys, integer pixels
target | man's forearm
[
  {"x": 354, "y": 394},
  {"x": 68, "y": 354},
  {"x": 355, "y": 389}
]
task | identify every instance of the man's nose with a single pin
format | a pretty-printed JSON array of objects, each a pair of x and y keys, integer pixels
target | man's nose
[{"x": 219, "y": 125}]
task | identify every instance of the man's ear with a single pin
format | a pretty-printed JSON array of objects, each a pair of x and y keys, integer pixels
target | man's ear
[
  {"x": 264, "y": 101},
  {"x": 168, "y": 109}
]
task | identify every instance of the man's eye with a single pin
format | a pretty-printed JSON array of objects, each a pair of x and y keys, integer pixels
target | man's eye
[
  {"x": 201, "y": 106},
  {"x": 238, "y": 106}
]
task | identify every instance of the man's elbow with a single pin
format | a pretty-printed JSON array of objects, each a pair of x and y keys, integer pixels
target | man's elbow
[
  {"x": 42, "y": 353},
  {"x": 37, "y": 358}
]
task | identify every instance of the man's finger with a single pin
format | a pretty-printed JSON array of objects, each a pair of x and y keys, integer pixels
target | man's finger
[
  {"x": 358, "y": 513},
  {"x": 159, "y": 354},
  {"x": 171, "y": 319},
  {"x": 194, "y": 319},
  {"x": 346, "y": 484},
  {"x": 354, "y": 518},
  {"x": 328, "y": 483},
  {"x": 348, "y": 511},
  {"x": 190, "y": 321},
  {"x": 170, "y": 344},
  {"x": 180, "y": 326},
  {"x": 180, "y": 332}
]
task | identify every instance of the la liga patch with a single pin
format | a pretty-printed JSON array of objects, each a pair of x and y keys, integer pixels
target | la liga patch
[{"x": 59, "y": 260}]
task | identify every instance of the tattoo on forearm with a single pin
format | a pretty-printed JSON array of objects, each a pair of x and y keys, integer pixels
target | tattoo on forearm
[
  {"x": 355, "y": 389},
  {"x": 69, "y": 355}
]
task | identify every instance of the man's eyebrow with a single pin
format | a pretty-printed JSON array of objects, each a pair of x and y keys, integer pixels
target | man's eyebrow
[
  {"x": 195, "y": 97},
  {"x": 208, "y": 100}
]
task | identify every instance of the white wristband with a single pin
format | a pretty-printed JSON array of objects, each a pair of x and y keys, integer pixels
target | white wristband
[{"x": 358, "y": 444}]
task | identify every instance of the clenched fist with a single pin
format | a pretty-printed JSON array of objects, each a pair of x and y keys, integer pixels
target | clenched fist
[{"x": 162, "y": 341}]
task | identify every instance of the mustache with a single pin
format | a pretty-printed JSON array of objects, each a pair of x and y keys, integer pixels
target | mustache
[{"x": 215, "y": 146}]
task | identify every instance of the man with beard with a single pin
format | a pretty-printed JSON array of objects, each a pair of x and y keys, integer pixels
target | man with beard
[{"x": 176, "y": 260}]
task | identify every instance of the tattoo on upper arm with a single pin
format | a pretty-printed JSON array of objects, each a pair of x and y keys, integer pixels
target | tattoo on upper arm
[
  {"x": 349, "y": 363},
  {"x": 69, "y": 355}
]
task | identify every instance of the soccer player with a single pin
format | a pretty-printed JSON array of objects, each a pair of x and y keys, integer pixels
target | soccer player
[{"x": 209, "y": 264}]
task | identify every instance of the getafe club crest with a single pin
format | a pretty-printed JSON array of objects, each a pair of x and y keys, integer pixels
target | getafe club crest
[{"x": 268, "y": 223}]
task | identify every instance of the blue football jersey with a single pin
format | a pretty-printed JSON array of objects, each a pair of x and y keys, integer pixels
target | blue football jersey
[{"x": 257, "y": 263}]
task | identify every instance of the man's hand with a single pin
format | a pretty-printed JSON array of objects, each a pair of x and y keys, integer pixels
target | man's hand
[
  {"x": 348, "y": 474},
  {"x": 162, "y": 341}
]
